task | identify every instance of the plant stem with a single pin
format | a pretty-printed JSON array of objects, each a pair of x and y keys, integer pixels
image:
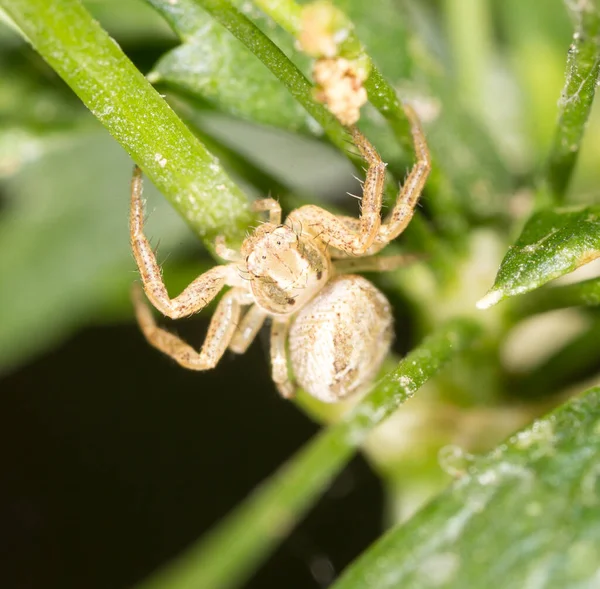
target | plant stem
[
  {"x": 288, "y": 15},
  {"x": 289, "y": 75},
  {"x": 247, "y": 536},
  {"x": 582, "y": 77},
  {"x": 293, "y": 79},
  {"x": 94, "y": 66},
  {"x": 383, "y": 96}
]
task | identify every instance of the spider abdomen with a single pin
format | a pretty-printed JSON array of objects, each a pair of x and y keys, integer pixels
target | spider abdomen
[{"x": 338, "y": 341}]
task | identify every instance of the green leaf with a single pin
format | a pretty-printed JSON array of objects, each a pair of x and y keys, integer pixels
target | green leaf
[
  {"x": 290, "y": 76},
  {"x": 527, "y": 515},
  {"x": 64, "y": 246},
  {"x": 582, "y": 77},
  {"x": 227, "y": 15},
  {"x": 228, "y": 76},
  {"x": 83, "y": 54},
  {"x": 247, "y": 536},
  {"x": 552, "y": 243}
]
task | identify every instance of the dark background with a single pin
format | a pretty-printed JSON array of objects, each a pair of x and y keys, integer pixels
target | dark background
[{"x": 114, "y": 459}]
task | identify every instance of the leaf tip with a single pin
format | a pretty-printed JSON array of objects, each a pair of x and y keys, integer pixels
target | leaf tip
[{"x": 489, "y": 300}]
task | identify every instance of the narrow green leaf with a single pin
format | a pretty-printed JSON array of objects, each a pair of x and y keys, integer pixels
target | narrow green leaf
[
  {"x": 582, "y": 78},
  {"x": 215, "y": 66},
  {"x": 235, "y": 21},
  {"x": 552, "y": 243},
  {"x": 527, "y": 515},
  {"x": 231, "y": 79},
  {"x": 465, "y": 161},
  {"x": 382, "y": 95},
  {"x": 249, "y": 534},
  {"x": 225, "y": 13},
  {"x": 73, "y": 43}
]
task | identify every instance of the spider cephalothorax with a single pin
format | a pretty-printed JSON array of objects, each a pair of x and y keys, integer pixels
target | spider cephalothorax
[
  {"x": 286, "y": 268},
  {"x": 335, "y": 327}
]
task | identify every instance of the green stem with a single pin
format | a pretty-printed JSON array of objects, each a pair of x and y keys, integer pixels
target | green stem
[
  {"x": 287, "y": 73},
  {"x": 94, "y": 66},
  {"x": 293, "y": 79},
  {"x": 383, "y": 96},
  {"x": 288, "y": 15},
  {"x": 249, "y": 534},
  {"x": 583, "y": 71}
]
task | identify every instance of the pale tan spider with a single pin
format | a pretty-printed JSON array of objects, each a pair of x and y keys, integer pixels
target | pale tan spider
[{"x": 338, "y": 325}]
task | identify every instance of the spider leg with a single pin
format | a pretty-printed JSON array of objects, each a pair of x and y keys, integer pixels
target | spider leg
[
  {"x": 195, "y": 296},
  {"x": 352, "y": 224},
  {"x": 248, "y": 328},
  {"x": 403, "y": 211},
  {"x": 224, "y": 252},
  {"x": 279, "y": 362},
  {"x": 372, "y": 263},
  {"x": 271, "y": 205},
  {"x": 367, "y": 235},
  {"x": 221, "y": 329}
]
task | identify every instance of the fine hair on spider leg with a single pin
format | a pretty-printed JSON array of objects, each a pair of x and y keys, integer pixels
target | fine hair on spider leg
[{"x": 332, "y": 326}]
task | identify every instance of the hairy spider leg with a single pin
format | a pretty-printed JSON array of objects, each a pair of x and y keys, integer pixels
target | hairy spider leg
[
  {"x": 247, "y": 329},
  {"x": 367, "y": 235},
  {"x": 197, "y": 294},
  {"x": 220, "y": 331},
  {"x": 373, "y": 263},
  {"x": 270, "y": 205},
  {"x": 279, "y": 361}
]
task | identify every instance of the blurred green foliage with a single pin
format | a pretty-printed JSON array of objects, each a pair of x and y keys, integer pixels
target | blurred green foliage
[{"x": 505, "y": 91}]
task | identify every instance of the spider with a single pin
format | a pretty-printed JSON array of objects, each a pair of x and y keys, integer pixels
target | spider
[{"x": 336, "y": 327}]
